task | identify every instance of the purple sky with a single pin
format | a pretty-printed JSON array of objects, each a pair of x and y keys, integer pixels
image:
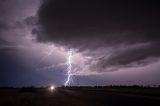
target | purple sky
[{"x": 113, "y": 42}]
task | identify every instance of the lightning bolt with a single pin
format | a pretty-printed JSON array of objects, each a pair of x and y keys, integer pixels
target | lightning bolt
[{"x": 69, "y": 69}]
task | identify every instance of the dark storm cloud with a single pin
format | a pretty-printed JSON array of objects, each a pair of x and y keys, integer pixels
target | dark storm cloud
[
  {"x": 135, "y": 56},
  {"x": 93, "y": 24},
  {"x": 4, "y": 26},
  {"x": 2, "y": 41},
  {"x": 32, "y": 20}
]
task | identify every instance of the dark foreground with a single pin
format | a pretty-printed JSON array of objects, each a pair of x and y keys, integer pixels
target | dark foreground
[{"x": 80, "y": 97}]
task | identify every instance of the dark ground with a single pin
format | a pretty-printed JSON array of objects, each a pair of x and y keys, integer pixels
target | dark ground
[{"x": 80, "y": 97}]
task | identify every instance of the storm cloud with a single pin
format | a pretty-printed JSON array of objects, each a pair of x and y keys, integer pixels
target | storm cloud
[{"x": 130, "y": 29}]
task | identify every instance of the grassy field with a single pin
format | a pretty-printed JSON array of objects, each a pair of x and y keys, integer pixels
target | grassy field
[{"x": 80, "y": 97}]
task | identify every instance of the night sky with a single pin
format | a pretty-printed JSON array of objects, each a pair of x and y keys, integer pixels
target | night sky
[{"x": 114, "y": 42}]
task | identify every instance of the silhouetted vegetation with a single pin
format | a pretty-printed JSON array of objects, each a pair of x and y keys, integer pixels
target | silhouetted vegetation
[
  {"x": 28, "y": 89},
  {"x": 115, "y": 86}
]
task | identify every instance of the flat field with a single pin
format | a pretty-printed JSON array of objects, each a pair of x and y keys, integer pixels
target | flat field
[{"x": 80, "y": 97}]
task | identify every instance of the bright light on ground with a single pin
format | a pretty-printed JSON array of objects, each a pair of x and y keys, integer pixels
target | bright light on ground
[{"x": 52, "y": 88}]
